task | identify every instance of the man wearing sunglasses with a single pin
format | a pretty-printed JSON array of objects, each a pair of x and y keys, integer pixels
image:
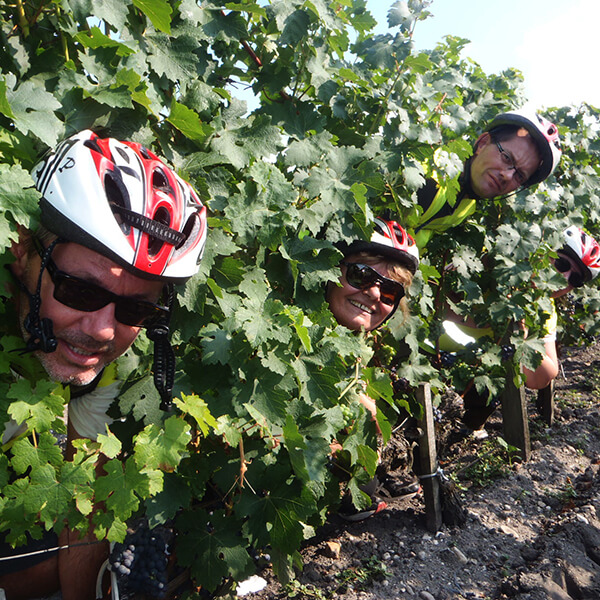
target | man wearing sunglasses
[
  {"x": 119, "y": 228},
  {"x": 578, "y": 261},
  {"x": 519, "y": 149}
]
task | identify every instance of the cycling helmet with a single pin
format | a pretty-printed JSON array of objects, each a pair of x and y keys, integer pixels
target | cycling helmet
[
  {"x": 543, "y": 132},
  {"x": 390, "y": 240},
  {"x": 584, "y": 249},
  {"x": 122, "y": 201}
]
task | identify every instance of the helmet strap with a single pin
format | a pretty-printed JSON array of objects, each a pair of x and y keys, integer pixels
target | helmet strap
[
  {"x": 150, "y": 226},
  {"x": 41, "y": 335},
  {"x": 164, "y": 357}
]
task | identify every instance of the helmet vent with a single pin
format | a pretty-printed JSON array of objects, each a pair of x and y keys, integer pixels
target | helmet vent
[
  {"x": 123, "y": 154},
  {"x": 160, "y": 182},
  {"x": 93, "y": 145},
  {"x": 118, "y": 197},
  {"x": 190, "y": 230},
  {"x": 155, "y": 244}
]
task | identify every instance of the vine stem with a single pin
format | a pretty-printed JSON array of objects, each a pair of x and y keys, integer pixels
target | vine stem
[
  {"x": 22, "y": 18},
  {"x": 63, "y": 41},
  {"x": 386, "y": 99},
  {"x": 353, "y": 382}
]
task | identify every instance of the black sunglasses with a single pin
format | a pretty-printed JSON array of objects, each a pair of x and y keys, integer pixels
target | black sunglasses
[
  {"x": 361, "y": 276},
  {"x": 563, "y": 265},
  {"x": 88, "y": 297}
]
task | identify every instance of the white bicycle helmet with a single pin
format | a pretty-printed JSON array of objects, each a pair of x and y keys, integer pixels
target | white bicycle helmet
[
  {"x": 122, "y": 201},
  {"x": 391, "y": 240},
  {"x": 543, "y": 132},
  {"x": 584, "y": 249}
]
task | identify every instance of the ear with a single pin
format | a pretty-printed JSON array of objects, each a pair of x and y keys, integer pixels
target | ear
[
  {"x": 20, "y": 250},
  {"x": 483, "y": 140}
]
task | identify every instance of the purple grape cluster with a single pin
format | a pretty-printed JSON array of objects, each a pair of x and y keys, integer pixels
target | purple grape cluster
[{"x": 142, "y": 558}]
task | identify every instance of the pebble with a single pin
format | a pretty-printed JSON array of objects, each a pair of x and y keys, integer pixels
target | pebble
[
  {"x": 426, "y": 595},
  {"x": 459, "y": 555},
  {"x": 582, "y": 518},
  {"x": 422, "y": 554},
  {"x": 332, "y": 549}
]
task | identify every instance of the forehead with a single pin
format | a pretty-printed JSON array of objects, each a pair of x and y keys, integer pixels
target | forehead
[{"x": 91, "y": 265}]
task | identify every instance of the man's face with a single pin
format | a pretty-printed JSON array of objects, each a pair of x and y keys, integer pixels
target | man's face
[
  {"x": 495, "y": 173},
  {"x": 359, "y": 308},
  {"x": 87, "y": 341}
]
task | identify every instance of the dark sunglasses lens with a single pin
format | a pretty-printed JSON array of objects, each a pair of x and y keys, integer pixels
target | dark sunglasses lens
[
  {"x": 391, "y": 292},
  {"x": 87, "y": 297},
  {"x": 562, "y": 265},
  {"x": 576, "y": 280},
  {"x": 78, "y": 294},
  {"x": 360, "y": 276},
  {"x": 137, "y": 313}
]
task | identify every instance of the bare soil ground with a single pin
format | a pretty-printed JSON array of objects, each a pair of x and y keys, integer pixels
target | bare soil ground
[{"x": 532, "y": 530}]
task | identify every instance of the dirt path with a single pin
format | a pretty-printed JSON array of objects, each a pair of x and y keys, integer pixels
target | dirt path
[{"x": 531, "y": 534}]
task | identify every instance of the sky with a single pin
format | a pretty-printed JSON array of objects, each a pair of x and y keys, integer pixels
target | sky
[{"x": 554, "y": 43}]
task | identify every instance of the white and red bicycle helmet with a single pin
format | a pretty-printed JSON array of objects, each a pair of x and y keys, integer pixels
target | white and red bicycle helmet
[
  {"x": 543, "y": 132},
  {"x": 584, "y": 249},
  {"x": 391, "y": 240},
  {"x": 121, "y": 200}
]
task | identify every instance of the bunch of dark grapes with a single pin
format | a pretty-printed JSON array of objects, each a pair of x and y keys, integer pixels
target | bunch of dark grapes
[
  {"x": 507, "y": 351},
  {"x": 399, "y": 384},
  {"x": 142, "y": 558},
  {"x": 447, "y": 359},
  {"x": 437, "y": 414}
]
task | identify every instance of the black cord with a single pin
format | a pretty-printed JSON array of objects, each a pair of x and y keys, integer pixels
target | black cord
[
  {"x": 164, "y": 357},
  {"x": 41, "y": 335}
]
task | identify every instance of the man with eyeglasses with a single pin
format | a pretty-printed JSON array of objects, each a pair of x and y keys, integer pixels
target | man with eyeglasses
[
  {"x": 519, "y": 149},
  {"x": 119, "y": 228}
]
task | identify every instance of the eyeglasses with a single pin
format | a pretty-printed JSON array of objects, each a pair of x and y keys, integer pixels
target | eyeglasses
[
  {"x": 83, "y": 295},
  {"x": 361, "y": 276},
  {"x": 519, "y": 176},
  {"x": 563, "y": 265}
]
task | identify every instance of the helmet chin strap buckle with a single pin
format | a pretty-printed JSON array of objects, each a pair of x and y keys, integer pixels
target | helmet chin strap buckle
[
  {"x": 164, "y": 357},
  {"x": 41, "y": 335}
]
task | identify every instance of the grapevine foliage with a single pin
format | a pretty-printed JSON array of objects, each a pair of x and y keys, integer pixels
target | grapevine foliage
[{"x": 348, "y": 125}]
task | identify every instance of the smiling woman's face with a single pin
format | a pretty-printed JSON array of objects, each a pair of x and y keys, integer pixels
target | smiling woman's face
[{"x": 355, "y": 308}]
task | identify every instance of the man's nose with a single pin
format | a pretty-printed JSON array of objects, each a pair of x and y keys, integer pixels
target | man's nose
[{"x": 101, "y": 324}]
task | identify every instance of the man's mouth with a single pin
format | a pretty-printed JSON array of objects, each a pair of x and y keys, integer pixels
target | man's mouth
[{"x": 81, "y": 351}]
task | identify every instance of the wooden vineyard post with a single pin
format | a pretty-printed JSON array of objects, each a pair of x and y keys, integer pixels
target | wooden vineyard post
[
  {"x": 514, "y": 416},
  {"x": 545, "y": 403},
  {"x": 429, "y": 463}
]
